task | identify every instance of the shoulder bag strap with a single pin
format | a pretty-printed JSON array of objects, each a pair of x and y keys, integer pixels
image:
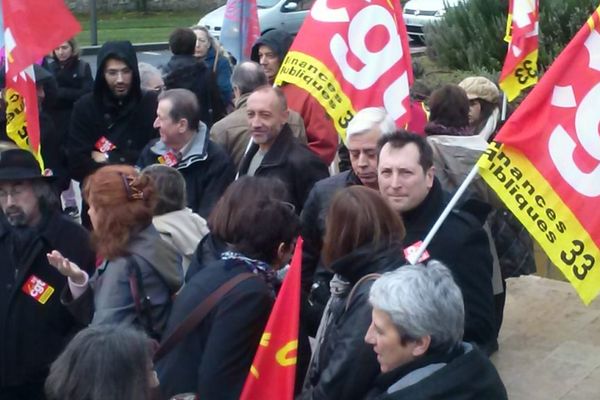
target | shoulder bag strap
[
  {"x": 368, "y": 277},
  {"x": 198, "y": 314},
  {"x": 140, "y": 299}
]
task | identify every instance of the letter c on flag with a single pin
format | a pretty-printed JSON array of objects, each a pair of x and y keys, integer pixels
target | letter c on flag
[{"x": 282, "y": 355}]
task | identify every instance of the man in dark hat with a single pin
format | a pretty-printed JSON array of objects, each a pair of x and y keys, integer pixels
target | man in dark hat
[{"x": 34, "y": 325}]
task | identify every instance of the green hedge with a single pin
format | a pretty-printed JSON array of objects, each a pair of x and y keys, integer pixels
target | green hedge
[{"x": 471, "y": 35}]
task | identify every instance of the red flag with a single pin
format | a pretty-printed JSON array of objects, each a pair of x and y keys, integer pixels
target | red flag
[
  {"x": 545, "y": 164},
  {"x": 520, "y": 66},
  {"x": 351, "y": 56},
  {"x": 32, "y": 29},
  {"x": 273, "y": 372},
  {"x": 240, "y": 28}
]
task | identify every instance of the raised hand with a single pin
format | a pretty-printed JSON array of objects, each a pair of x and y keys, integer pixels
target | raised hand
[{"x": 66, "y": 267}]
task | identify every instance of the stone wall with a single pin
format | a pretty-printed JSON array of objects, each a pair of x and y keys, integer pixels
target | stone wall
[{"x": 83, "y": 6}]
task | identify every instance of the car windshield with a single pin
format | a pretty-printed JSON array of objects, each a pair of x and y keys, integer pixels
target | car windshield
[{"x": 266, "y": 3}]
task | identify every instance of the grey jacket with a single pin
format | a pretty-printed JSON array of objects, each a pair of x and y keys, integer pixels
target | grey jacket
[{"x": 109, "y": 299}]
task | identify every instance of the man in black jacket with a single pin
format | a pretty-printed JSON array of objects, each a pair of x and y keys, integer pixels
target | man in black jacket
[
  {"x": 112, "y": 124},
  {"x": 274, "y": 151},
  {"x": 406, "y": 180},
  {"x": 185, "y": 144},
  {"x": 34, "y": 325},
  {"x": 364, "y": 130}
]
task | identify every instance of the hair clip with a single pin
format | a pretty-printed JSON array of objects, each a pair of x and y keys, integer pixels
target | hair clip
[{"x": 133, "y": 193}]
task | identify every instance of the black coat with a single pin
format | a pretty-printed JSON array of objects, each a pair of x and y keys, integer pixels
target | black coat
[
  {"x": 33, "y": 334},
  {"x": 292, "y": 163},
  {"x": 74, "y": 79},
  {"x": 186, "y": 72},
  {"x": 127, "y": 123},
  {"x": 207, "y": 172},
  {"x": 462, "y": 245},
  {"x": 313, "y": 222},
  {"x": 346, "y": 366},
  {"x": 467, "y": 375},
  {"x": 215, "y": 358}
]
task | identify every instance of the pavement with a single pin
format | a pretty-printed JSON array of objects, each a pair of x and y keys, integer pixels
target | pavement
[{"x": 549, "y": 342}]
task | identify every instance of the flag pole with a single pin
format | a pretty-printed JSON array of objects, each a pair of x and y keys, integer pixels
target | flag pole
[
  {"x": 504, "y": 107},
  {"x": 459, "y": 192}
]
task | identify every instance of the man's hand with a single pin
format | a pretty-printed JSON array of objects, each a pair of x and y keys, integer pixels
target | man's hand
[
  {"x": 66, "y": 267},
  {"x": 99, "y": 157}
]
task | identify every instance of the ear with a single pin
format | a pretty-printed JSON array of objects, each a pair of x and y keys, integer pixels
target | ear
[
  {"x": 421, "y": 346},
  {"x": 283, "y": 253},
  {"x": 183, "y": 125},
  {"x": 429, "y": 176}
]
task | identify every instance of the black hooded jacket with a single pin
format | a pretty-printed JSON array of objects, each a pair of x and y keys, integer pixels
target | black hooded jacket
[
  {"x": 126, "y": 123},
  {"x": 277, "y": 40}
]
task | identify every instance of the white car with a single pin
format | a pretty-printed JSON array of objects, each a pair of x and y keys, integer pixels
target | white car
[
  {"x": 418, "y": 13},
  {"x": 287, "y": 15}
]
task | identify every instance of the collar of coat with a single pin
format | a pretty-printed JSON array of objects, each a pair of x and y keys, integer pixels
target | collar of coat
[
  {"x": 277, "y": 154},
  {"x": 195, "y": 151}
]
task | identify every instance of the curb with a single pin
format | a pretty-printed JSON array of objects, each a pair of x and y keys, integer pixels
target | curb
[{"x": 93, "y": 50}]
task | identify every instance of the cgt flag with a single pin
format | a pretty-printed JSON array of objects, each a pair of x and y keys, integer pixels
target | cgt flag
[
  {"x": 31, "y": 30},
  {"x": 520, "y": 66},
  {"x": 362, "y": 59},
  {"x": 273, "y": 372},
  {"x": 545, "y": 163},
  {"x": 240, "y": 28}
]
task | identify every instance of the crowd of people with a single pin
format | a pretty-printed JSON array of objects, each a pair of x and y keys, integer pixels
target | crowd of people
[{"x": 197, "y": 178}]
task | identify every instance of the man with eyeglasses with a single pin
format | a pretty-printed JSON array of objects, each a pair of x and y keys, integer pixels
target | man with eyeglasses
[
  {"x": 34, "y": 325},
  {"x": 112, "y": 124}
]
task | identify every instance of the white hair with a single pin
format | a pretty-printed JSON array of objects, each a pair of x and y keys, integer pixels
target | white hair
[
  {"x": 369, "y": 118},
  {"x": 422, "y": 300}
]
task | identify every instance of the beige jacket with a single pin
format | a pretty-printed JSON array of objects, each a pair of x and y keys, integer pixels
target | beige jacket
[{"x": 232, "y": 131}]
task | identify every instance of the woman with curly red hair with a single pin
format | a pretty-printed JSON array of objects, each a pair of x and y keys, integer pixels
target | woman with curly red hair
[{"x": 139, "y": 272}]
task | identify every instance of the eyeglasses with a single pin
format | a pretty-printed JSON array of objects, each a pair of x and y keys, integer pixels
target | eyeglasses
[{"x": 14, "y": 192}]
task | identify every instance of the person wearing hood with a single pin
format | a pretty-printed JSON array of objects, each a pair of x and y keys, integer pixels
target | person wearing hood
[
  {"x": 269, "y": 51},
  {"x": 184, "y": 144},
  {"x": 113, "y": 123},
  {"x": 138, "y": 272},
  {"x": 177, "y": 224}
]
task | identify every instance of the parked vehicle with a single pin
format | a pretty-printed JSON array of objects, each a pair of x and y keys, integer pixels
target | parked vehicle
[
  {"x": 418, "y": 13},
  {"x": 287, "y": 15}
]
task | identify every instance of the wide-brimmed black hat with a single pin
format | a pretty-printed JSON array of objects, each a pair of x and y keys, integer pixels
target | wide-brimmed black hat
[{"x": 18, "y": 164}]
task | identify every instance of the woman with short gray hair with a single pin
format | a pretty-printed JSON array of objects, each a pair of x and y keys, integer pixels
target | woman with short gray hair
[{"x": 416, "y": 331}]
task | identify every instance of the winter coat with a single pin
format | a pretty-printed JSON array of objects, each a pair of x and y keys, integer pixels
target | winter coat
[
  {"x": 214, "y": 359},
  {"x": 462, "y": 245},
  {"x": 222, "y": 72},
  {"x": 127, "y": 123},
  {"x": 205, "y": 166},
  {"x": 463, "y": 374},
  {"x": 343, "y": 365},
  {"x": 453, "y": 158},
  {"x": 186, "y": 72},
  {"x": 232, "y": 132},
  {"x": 108, "y": 298},
  {"x": 182, "y": 229},
  {"x": 74, "y": 79},
  {"x": 34, "y": 332},
  {"x": 292, "y": 163},
  {"x": 313, "y": 218}
]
